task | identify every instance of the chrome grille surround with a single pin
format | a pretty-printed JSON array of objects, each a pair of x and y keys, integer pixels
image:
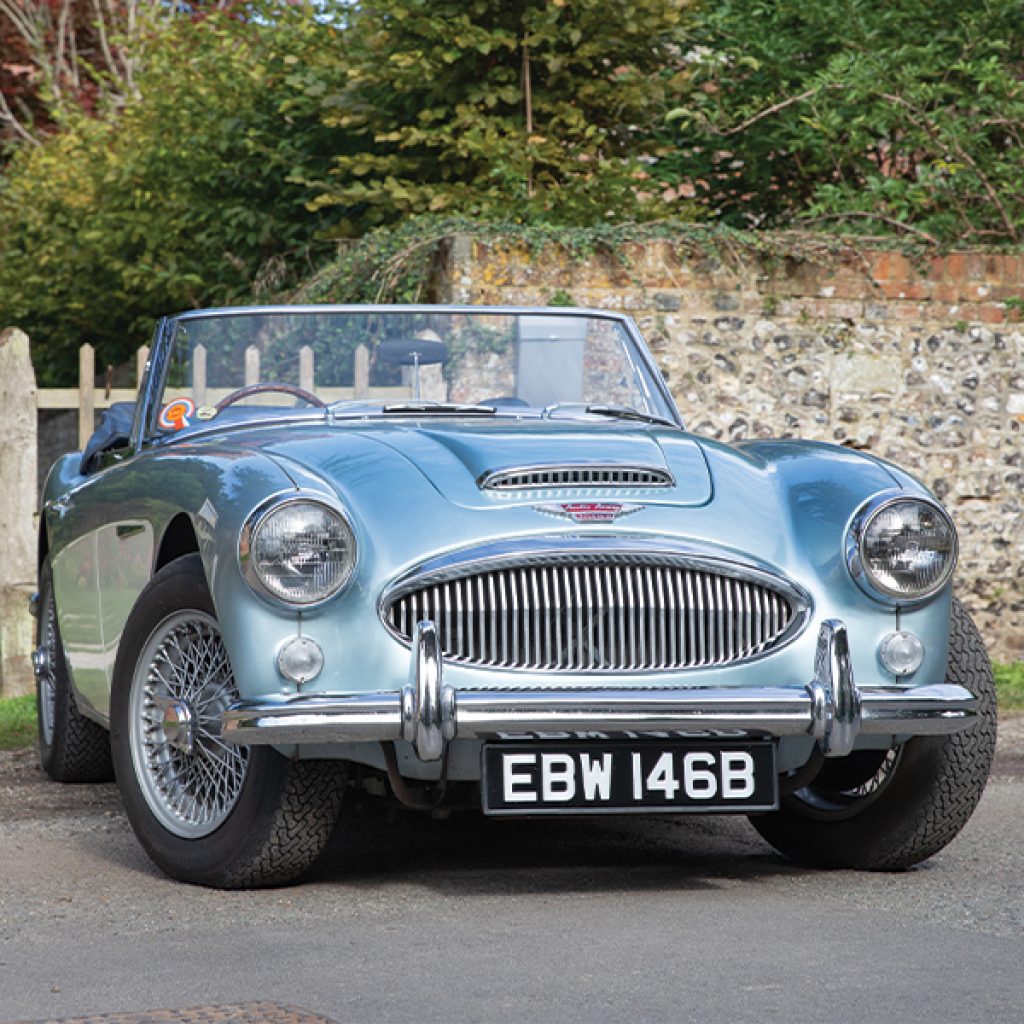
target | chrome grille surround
[
  {"x": 597, "y": 606},
  {"x": 545, "y": 477}
]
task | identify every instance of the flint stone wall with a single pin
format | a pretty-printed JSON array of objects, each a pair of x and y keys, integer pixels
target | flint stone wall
[{"x": 919, "y": 364}]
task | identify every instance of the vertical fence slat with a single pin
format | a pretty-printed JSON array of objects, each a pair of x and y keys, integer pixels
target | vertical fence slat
[
  {"x": 361, "y": 372},
  {"x": 86, "y": 394},
  {"x": 252, "y": 366},
  {"x": 199, "y": 374},
  {"x": 141, "y": 358},
  {"x": 306, "y": 368}
]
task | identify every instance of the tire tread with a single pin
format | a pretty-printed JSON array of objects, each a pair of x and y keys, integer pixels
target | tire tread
[
  {"x": 923, "y": 811},
  {"x": 80, "y": 748},
  {"x": 296, "y": 832}
]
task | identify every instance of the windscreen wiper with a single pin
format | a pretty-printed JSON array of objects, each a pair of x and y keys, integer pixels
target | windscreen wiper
[
  {"x": 443, "y": 408},
  {"x": 624, "y": 412}
]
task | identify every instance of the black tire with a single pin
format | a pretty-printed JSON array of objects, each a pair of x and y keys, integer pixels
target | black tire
[
  {"x": 890, "y": 810},
  {"x": 72, "y": 748},
  {"x": 275, "y": 816}
]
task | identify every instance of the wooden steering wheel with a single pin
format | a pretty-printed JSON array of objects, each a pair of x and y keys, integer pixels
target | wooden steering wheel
[{"x": 262, "y": 389}]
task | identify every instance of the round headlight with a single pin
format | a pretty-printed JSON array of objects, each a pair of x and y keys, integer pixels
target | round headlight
[
  {"x": 300, "y": 551},
  {"x": 906, "y": 547}
]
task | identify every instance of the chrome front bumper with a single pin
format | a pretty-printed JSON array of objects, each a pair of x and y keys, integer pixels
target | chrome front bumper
[{"x": 428, "y": 713}]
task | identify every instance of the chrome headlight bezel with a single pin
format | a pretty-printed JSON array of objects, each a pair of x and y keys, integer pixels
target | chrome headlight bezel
[
  {"x": 258, "y": 518},
  {"x": 858, "y": 563}
]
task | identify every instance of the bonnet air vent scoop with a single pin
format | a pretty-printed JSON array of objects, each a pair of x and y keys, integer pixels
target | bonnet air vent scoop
[{"x": 543, "y": 477}]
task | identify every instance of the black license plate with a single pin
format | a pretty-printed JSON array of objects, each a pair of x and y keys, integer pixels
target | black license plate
[{"x": 613, "y": 777}]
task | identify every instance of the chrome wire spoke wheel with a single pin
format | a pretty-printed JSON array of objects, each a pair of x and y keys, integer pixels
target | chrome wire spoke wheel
[
  {"x": 189, "y": 777},
  {"x": 47, "y": 681},
  {"x": 844, "y": 790}
]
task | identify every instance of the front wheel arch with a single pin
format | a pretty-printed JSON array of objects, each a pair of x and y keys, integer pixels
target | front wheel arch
[
  {"x": 934, "y": 786},
  {"x": 178, "y": 540},
  {"x": 280, "y": 818}
]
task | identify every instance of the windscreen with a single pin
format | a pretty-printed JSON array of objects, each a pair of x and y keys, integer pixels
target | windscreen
[{"x": 251, "y": 364}]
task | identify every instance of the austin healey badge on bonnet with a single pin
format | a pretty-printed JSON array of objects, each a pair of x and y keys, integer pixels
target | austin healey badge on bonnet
[{"x": 589, "y": 511}]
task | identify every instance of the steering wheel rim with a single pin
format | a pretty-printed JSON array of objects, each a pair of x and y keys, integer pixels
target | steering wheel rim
[{"x": 262, "y": 389}]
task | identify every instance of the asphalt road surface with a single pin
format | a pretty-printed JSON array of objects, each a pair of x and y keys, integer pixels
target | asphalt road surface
[{"x": 688, "y": 919}]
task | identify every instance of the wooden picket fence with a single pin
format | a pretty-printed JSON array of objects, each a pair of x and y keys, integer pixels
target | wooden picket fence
[{"x": 89, "y": 397}]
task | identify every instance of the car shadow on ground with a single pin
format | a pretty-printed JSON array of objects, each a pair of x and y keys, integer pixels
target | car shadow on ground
[
  {"x": 379, "y": 847},
  {"x": 469, "y": 852}
]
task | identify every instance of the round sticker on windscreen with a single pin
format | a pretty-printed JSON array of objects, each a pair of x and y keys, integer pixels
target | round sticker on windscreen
[{"x": 175, "y": 414}]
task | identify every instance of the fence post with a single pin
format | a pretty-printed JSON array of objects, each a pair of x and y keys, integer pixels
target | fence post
[
  {"x": 17, "y": 510},
  {"x": 199, "y": 375},
  {"x": 306, "y": 370},
  {"x": 361, "y": 372},
  {"x": 86, "y": 394},
  {"x": 252, "y": 366}
]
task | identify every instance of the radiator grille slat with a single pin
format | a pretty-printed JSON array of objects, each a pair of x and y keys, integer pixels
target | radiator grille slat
[{"x": 575, "y": 616}]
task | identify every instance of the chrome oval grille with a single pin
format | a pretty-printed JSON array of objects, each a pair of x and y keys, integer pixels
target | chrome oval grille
[
  {"x": 543, "y": 477},
  {"x": 596, "y": 615}
]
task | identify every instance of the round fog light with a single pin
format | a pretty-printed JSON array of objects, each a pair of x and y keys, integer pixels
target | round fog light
[
  {"x": 901, "y": 653},
  {"x": 300, "y": 659}
]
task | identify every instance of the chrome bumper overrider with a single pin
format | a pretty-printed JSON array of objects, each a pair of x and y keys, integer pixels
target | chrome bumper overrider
[{"x": 428, "y": 713}]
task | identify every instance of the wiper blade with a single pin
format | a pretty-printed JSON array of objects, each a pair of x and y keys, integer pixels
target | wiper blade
[
  {"x": 624, "y": 412},
  {"x": 444, "y": 408}
]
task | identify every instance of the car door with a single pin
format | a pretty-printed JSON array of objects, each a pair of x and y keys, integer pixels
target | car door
[{"x": 102, "y": 558}]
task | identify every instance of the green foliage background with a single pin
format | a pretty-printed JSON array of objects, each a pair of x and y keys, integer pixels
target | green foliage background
[
  {"x": 537, "y": 108},
  {"x": 862, "y": 115},
  {"x": 180, "y": 199},
  {"x": 260, "y": 138}
]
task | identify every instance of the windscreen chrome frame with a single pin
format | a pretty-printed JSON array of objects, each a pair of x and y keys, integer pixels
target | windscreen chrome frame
[{"x": 164, "y": 335}]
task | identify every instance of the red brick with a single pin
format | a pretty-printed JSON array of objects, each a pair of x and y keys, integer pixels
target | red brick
[
  {"x": 1013, "y": 269},
  {"x": 851, "y": 286},
  {"x": 992, "y": 313},
  {"x": 903, "y": 269},
  {"x": 919, "y": 289},
  {"x": 969, "y": 311},
  {"x": 880, "y": 266},
  {"x": 907, "y": 310},
  {"x": 803, "y": 308},
  {"x": 1001, "y": 292},
  {"x": 893, "y": 289},
  {"x": 956, "y": 266},
  {"x": 944, "y": 291},
  {"x": 844, "y": 310},
  {"x": 995, "y": 268},
  {"x": 977, "y": 266}
]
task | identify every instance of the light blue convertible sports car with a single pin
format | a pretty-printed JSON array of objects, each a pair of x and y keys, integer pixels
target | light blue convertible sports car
[{"x": 471, "y": 557}]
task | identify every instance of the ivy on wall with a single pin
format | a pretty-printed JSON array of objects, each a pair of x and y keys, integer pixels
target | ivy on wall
[{"x": 402, "y": 264}]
